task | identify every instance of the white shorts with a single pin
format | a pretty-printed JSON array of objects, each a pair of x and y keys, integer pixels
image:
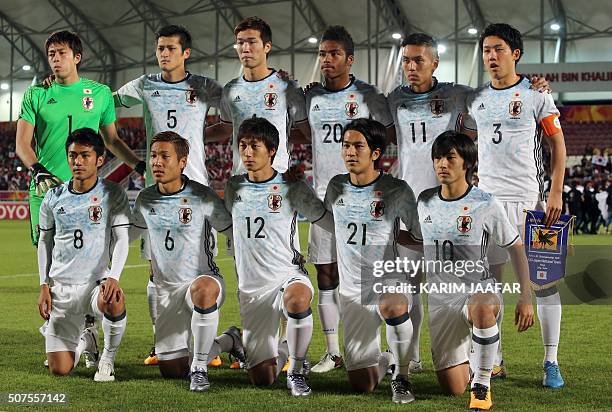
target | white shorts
[
  {"x": 450, "y": 330},
  {"x": 70, "y": 304},
  {"x": 497, "y": 255},
  {"x": 321, "y": 246},
  {"x": 173, "y": 322},
  {"x": 145, "y": 245},
  {"x": 260, "y": 315}
]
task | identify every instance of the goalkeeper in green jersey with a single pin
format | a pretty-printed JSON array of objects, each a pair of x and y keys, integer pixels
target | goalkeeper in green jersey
[{"x": 49, "y": 114}]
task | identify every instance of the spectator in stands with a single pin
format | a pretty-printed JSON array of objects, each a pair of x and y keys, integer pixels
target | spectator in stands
[
  {"x": 574, "y": 204},
  {"x": 3, "y": 183}
]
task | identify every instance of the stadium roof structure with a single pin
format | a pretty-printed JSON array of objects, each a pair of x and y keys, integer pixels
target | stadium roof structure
[{"x": 118, "y": 34}]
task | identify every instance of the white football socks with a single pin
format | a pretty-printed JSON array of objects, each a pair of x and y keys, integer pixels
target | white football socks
[
  {"x": 299, "y": 333},
  {"x": 204, "y": 323},
  {"x": 113, "y": 329},
  {"x": 484, "y": 345},
  {"x": 399, "y": 337},
  {"x": 152, "y": 301},
  {"x": 549, "y": 314},
  {"x": 416, "y": 317},
  {"x": 330, "y": 317}
]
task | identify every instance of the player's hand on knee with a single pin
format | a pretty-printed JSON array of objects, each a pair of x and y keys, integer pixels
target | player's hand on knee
[
  {"x": 523, "y": 315},
  {"x": 44, "y": 302},
  {"x": 43, "y": 179},
  {"x": 111, "y": 291}
]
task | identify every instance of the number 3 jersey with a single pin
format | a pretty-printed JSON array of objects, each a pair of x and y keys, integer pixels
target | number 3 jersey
[
  {"x": 367, "y": 223},
  {"x": 82, "y": 224},
  {"x": 459, "y": 230},
  {"x": 329, "y": 111},
  {"x": 510, "y": 163},
  {"x": 179, "y": 227},
  {"x": 180, "y": 107},
  {"x": 419, "y": 119},
  {"x": 266, "y": 238}
]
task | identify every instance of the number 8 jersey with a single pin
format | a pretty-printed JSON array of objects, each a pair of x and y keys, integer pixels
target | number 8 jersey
[
  {"x": 82, "y": 224},
  {"x": 179, "y": 226}
]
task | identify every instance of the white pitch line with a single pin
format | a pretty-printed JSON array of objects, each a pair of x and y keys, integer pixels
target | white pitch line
[{"x": 25, "y": 275}]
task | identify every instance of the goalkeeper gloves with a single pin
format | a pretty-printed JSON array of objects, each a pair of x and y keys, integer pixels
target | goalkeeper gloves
[{"x": 43, "y": 179}]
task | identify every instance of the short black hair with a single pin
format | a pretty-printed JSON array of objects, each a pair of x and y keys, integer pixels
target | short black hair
[
  {"x": 422, "y": 39},
  {"x": 87, "y": 137},
  {"x": 374, "y": 132},
  {"x": 175, "y": 30},
  {"x": 259, "y": 128},
  {"x": 505, "y": 32},
  {"x": 255, "y": 23},
  {"x": 181, "y": 145},
  {"x": 341, "y": 35},
  {"x": 463, "y": 145},
  {"x": 68, "y": 38}
]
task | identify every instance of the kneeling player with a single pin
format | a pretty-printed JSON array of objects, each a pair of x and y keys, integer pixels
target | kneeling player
[
  {"x": 457, "y": 221},
  {"x": 368, "y": 206},
  {"x": 272, "y": 280},
  {"x": 79, "y": 220},
  {"x": 179, "y": 214}
]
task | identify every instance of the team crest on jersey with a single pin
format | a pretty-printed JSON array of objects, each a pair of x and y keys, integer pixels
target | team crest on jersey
[
  {"x": 185, "y": 215},
  {"x": 377, "y": 208},
  {"x": 88, "y": 102},
  {"x": 275, "y": 202},
  {"x": 191, "y": 96},
  {"x": 270, "y": 100},
  {"x": 515, "y": 108},
  {"x": 351, "y": 109},
  {"x": 437, "y": 106},
  {"x": 95, "y": 213},
  {"x": 464, "y": 224}
]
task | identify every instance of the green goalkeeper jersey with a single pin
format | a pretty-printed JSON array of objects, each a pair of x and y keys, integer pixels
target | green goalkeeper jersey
[{"x": 57, "y": 111}]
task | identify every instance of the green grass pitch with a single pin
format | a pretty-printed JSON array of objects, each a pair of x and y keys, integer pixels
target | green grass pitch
[{"x": 584, "y": 355}]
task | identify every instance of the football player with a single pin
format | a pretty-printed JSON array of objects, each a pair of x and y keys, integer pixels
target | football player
[
  {"x": 81, "y": 221},
  {"x": 179, "y": 214},
  {"x": 368, "y": 206},
  {"x": 272, "y": 281},
  {"x": 175, "y": 100},
  {"x": 331, "y": 105},
  {"x": 511, "y": 119},
  {"x": 457, "y": 223}
]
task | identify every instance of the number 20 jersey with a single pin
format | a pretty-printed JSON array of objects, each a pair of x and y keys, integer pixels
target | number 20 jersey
[
  {"x": 82, "y": 225},
  {"x": 179, "y": 226},
  {"x": 265, "y": 227},
  {"x": 367, "y": 223},
  {"x": 329, "y": 111},
  {"x": 419, "y": 119}
]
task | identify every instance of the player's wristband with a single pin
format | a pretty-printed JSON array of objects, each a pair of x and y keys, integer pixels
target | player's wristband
[{"x": 140, "y": 168}]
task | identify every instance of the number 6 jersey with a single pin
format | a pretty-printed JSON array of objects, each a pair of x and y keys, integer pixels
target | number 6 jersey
[
  {"x": 179, "y": 226},
  {"x": 266, "y": 238}
]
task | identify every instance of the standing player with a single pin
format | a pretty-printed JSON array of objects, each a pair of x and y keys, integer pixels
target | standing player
[
  {"x": 259, "y": 92},
  {"x": 368, "y": 207},
  {"x": 81, "y": 221},
  {"x": 173, "y": 100},
  {"x": 272, "y": 281},
  {"x": 457, "y": 221},
  {"x": 178, "y": 213},
  {"x": 331, "y": 106},
  {"x": 49, "y": 114},
  {"x": 511, "y": 118}
]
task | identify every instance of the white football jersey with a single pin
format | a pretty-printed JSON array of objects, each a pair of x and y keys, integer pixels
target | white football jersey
[
  {"x": 329, "y": 111},
  {"x": 82, "y": 224},
  {"x": 266, "y": 237},
  {"x": 279, "y": 100},
  {"x": 179, "y": 227},
  {"x": 367, "y": 223},
  {"x": 510, "y": 164},
  {"x": 460, "y": 230},
  {"x": 180, "y": 107},
  {"x": 419, "y": 119}
]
